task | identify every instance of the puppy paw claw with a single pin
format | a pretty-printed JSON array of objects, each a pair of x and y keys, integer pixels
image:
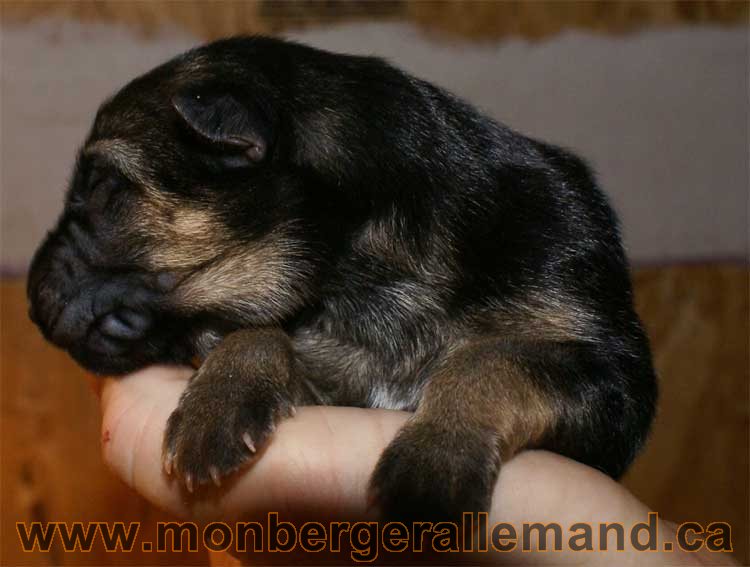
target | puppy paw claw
[
  {"x": 215, "y": 477},
  {"x": 168, "y": 463},
  {"x": 248, "y": 441},
  {"x": 207, "y": 439}
]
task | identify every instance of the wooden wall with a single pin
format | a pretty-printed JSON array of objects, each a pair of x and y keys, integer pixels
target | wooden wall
[
  {"x": 451, "y": 18},
  {"x": 695, "y": 466}
]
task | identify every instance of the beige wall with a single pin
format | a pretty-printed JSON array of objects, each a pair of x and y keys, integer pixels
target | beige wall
[{"x": 660, "y": 114}]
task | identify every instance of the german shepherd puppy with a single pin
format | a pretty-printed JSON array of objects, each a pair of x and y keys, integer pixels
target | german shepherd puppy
[{"x": 327, "y": 229}]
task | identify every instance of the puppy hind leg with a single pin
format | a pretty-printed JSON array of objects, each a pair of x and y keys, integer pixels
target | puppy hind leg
[{"x": 480, "y": 407}]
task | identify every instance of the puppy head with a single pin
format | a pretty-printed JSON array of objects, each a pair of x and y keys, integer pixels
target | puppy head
[{"x": 180, "y": 223}]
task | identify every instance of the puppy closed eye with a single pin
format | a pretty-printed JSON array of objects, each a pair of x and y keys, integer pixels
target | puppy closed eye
[
  {"x": 101, "y": 193},
  {"x": 104, "y": 181}
]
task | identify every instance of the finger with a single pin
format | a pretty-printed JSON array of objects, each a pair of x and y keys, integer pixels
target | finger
[
  {"x": 318, "y": 465},
  {"x": 319, "y": 460},
  {"x": 133, "y": 409}
]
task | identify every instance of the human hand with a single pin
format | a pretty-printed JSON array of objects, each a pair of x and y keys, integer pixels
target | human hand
[{"x": 317, "y": 465}]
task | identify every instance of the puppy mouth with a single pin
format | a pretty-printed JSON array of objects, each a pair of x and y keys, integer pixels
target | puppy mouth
[
  {"x": 110, "y": 324},
  {"x": 95, "y": 299},
  {"x": 116, "y": 308}
]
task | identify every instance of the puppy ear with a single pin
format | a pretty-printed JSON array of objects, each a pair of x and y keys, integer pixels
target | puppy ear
[{"x": 221, "y": 119}]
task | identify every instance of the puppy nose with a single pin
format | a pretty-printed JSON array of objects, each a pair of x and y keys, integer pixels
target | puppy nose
[{"x": 70, "y": 326}]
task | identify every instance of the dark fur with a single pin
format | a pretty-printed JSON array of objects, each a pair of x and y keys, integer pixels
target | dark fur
[{"x": 348, "y": 234}]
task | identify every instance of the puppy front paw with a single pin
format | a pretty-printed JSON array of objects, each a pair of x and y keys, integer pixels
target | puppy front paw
[
  {"x": 216, "y": 430},
  {"x": 429, "y": 473}
]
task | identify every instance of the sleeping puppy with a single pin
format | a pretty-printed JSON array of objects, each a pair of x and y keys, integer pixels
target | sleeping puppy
[{"x": 326, "y": 229}]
